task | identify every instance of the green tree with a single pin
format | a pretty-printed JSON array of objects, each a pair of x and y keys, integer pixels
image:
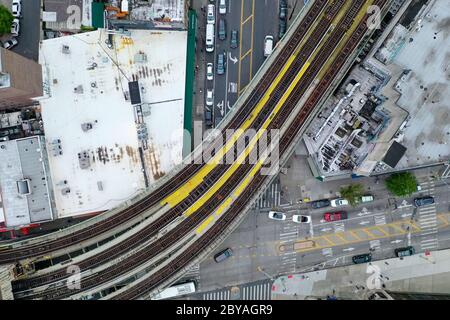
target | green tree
[
  {"x": 352, "y": 193},
  {"x": 6, "y": 19},
  {"x": 401, "y": 184}
]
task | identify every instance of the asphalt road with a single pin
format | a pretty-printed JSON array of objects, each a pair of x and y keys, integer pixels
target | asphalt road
[
  {"x": 377, "y": 227},
  {"x": 29, "y": 35},
  {"x": 253, "y": 19}
]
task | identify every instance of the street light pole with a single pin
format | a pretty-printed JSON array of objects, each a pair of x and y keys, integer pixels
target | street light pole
[{"x": 265, "y": 273}]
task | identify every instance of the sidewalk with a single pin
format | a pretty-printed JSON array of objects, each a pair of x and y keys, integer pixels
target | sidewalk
[
  {"x": 298, "y": 182},
  {"x": 420, "y": 273}
]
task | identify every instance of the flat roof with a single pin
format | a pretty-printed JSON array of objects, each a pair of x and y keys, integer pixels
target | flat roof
[
  {"x": 89, "y": 110},
  {"x": 395, "y": 152},
  {"x": 22, "y": 164},
  {"x": 425, "y": 90}
]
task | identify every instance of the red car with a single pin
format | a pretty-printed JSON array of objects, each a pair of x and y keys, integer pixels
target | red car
[{"x": 335, "y": 216}]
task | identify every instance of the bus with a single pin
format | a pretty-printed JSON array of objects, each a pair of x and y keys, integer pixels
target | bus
[{"x": 176, "y": 291}]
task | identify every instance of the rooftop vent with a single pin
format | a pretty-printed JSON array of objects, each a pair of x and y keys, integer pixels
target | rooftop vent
[{"x": 65, "y": 49}]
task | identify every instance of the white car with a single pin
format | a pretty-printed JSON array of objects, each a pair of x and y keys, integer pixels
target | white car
[
  {"x": 16, "y": 8},
  {"x": 222, "y": 7},
  {"x": 10, "y": 43},
  {"x": 211, "y": 14},
  {"x": 15, "y": 26},
  {"x": 339, "y": 202},
  {"x": 209, "y": 98},
  {"x": 274, "y": 215},
  {"x": 210, "y": 71},
  {"x": 298, "y": 218}
]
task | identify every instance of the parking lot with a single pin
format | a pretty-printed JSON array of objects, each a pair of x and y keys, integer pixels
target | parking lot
[{"x": 29, "y": 28}]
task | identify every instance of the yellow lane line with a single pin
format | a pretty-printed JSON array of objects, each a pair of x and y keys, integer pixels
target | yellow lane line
[
  {"x": 328, "y": 240},
  {"x": 253, "y": 32},
  {"x": 246, "y": 20},
  {"x": 246, "y": 54},
  {"x": 355, "y": 234},
  {"x": 403, "y": 232},
  {"x": 339, "y": 235},
  {"x": 240, "y": 45}
]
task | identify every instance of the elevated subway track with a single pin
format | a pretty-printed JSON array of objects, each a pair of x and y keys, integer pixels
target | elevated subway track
[
  {"x": 310, "y": 75},
  {"x": 102, "y": 229},
  {"x": 170, "y": 271},
  {"x": 159, "y": 223}
]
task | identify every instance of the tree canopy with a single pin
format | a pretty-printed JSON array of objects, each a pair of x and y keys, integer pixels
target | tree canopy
[
  {"x": 401, "y": 184},
  {"x": 352, "y": 193},
  {"x": 6, "y": 19}
]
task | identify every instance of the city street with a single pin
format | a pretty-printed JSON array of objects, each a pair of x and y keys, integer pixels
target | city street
[
  {"x": 253, "y": 20},
  {"x": 263, "y": 248}
]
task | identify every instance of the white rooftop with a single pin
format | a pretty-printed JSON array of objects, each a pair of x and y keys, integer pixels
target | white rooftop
[
  {"x": 24, "y": 183},
  {"x": 426, "y": 90},
  {"x": 112, "y": 171}
]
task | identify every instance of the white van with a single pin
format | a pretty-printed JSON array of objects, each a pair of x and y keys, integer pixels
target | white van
[
  {"x": 268, "y": 46},
  {"x": 211, "y": 15},
  {"x": 209, "y": 38}
]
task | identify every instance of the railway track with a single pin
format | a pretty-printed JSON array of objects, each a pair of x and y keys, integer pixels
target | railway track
[
  {"x": 185, "y": 257},
  {"x": 153, "y": 228},
  {"x": 200, "y": 215},
  {"x": 153, "y": 199}
]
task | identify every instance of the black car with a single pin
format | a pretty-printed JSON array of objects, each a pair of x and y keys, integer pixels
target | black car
[
  {"x": 223, "y": 255},
  {"x": 423, "y": 201},
  {"x": 404, "y": 252},
  {"x": 234, "y": 39},
  {"x": 283, "y": 9},
  {"x": 208, "y": 117},
  {"x": 362, "y": 258},
  {"x": 320, "y": 203},
  {"x": 282, "y": 27}
]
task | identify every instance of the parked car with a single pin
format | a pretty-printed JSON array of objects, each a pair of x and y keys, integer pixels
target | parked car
[
  {"x": 367, "y": 198},
  {"x": 335, "y": 216},
  {"x": 16, "y": 8},
  {"x": 419, "y": 202},
  {"x": 209, "y": 98},
  {"x": 221, "y": 63},
  {"x": 298, "y": 218},
  {"x": 209, "y": 72},
  {"x": 15, "y": 27},
  {"x": 323, "y": 203},
  {"x": 234, "y": 39},
  {"x": 274, "y": 215},
  {"x": 339, "y": 202},
  {"x": 222, "y": 29},
  {"x": 223, "y": 255},
  {"x": 362, "y": 258},
  {"x": 211, "y": 14},
  {"x": 268, "y": 45},
  {"x": 283, "y": 9},
  {"x": 208, "y": 117},
  {"x": 222, "y": 7},
  {"x": 10, "y": 43},
  {"x": 404, "y": 252},
  {"x": 282, "y": 27}
]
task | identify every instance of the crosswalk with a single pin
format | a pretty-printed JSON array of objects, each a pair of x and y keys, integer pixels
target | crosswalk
[
  {"x": 327, "y": 252},
  {"x": 428, "y": 220},
  {"x": 270, "y": 198},
  {"x": 380, "y": 219},
  {"x": 375, "y": 244},
  {"x": 258, "y": 291},
  {"x": 339, "y": 227}
]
